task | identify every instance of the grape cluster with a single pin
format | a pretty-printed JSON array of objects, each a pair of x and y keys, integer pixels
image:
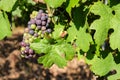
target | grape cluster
[{"x": 38, "y": 26}]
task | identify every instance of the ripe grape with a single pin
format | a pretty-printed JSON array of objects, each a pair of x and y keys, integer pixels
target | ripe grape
[
  {"x": 48, "y": 30},
  {"x": 43, "y": 23},
  {"x": 38, "y": 22},
  {"x": 43, "y": 18},
  {"x": 31, "y": 32},
  {"x": 43, "y": 28},
  {"x": 39, "y": 27},
  {"x": 32, "y": 21}
]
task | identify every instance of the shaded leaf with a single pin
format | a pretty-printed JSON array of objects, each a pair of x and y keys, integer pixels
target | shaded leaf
[{"x": 4, "y": 25}]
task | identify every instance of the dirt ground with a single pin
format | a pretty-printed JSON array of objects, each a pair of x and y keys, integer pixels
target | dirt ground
[{"x": 13, "y": 67}]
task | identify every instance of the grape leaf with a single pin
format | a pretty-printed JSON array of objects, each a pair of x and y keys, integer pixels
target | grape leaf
[
  {"x": 41, "y": 47},
  {"x": 57, "y": 31},
  {"x": 117, "y": 75},
  {"x": 4, "y": 25},
  {"x": 55, "y": 3},
  {"x": 7, "y": 5},
  {"x": 72, "y": 32},
  {"x": 115, "y": 24},
  {"x": 80, "y": 36},
  {"x": 58, "y": 53},
  {"x": 83, "y": 40},
  {"x": 101, "y": 66},
  {"x": 72, "y": 4},
  {"x": 101, "y": 25},
  {"x": 52, "y": 58},
  {"x": 66, "y": 50}
]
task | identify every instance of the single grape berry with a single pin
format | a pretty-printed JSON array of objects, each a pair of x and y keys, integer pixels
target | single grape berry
[
  {"x": 48, "y": 30},
  {"x": 43, "y": 28},
  {"x": 43, "y": 23},
  {"x": 31, "y": 32},
  {"x": 32, "y": 21},
  {"x": 31, "y": 51},
  {"x": 43, "y": 18},
  {"x": 38, "y": 22}
]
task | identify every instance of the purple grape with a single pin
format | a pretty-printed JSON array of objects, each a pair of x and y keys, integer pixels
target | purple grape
[
  {"x": 39, "y": 27},
  {"x": 26, "y": 51},
  {"x": 27, "y": 47},
  {"x": 40, "y": 11},
  {"x": 46, "y": 16},
  {"x": 31, "y": 51},
  {"x": 38, "y": 16},
  {"x": 49, "y": 30},
  {"x": 43, "y": 23},
  {"x": 38, "y": 22},
  {"x": 31, "y": 32},
  {"x": 43, "y": 28},
  {"x": 43, "y": 18},
  {"x": 48, "y": 21},
  {"x": 30, "y": 56},
  {"x": 23, "y": 44},
  {"x": 32, "y": 21},
  {"x": 36, "y": 35},
  {"x": 43, "y": 14},
  {"x": 29, "y": 23}
]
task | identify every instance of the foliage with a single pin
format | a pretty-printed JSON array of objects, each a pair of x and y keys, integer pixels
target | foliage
[{"x": 86, "y": 28}]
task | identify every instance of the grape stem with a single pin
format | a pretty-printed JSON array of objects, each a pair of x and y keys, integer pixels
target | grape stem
[{"x": 51, "y": 13}]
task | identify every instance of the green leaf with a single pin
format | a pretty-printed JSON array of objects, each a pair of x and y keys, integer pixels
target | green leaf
[
  {"x": 7, "y": 5},
  {"x": 115, "y": 24},
  {"x": 17, "y": 12},
  {"x": 72, "y": 4},
  {"x": 69, "y": 51},
  {"x": 52, "y": 58},
  {"x": 101, "y": 66},
  {"x": 101, "y": 25},
  {"x": 117, "y": 75},
  {"x": 4, "y": 25},
  {"x": 72, "y": 32},
  {"x": 83, "y": 40},
  {"x": 41, "y": 47},
  {"x": 58, "y": 29},
  {"x": 55, "y": 3}
]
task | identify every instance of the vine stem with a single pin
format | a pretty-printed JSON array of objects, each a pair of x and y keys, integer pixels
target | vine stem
[{"x": 50, "y": 12}]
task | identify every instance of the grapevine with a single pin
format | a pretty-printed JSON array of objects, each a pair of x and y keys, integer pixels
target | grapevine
[{"x": 64, "y": 29}]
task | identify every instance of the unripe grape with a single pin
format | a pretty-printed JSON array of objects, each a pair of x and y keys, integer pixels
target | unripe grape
[
  {"x": 33, "y": 26},
  {"x": 22, "y": 48}
]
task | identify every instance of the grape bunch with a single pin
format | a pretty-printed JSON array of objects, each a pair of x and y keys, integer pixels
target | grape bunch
[{"x": 38, "y": 26}]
